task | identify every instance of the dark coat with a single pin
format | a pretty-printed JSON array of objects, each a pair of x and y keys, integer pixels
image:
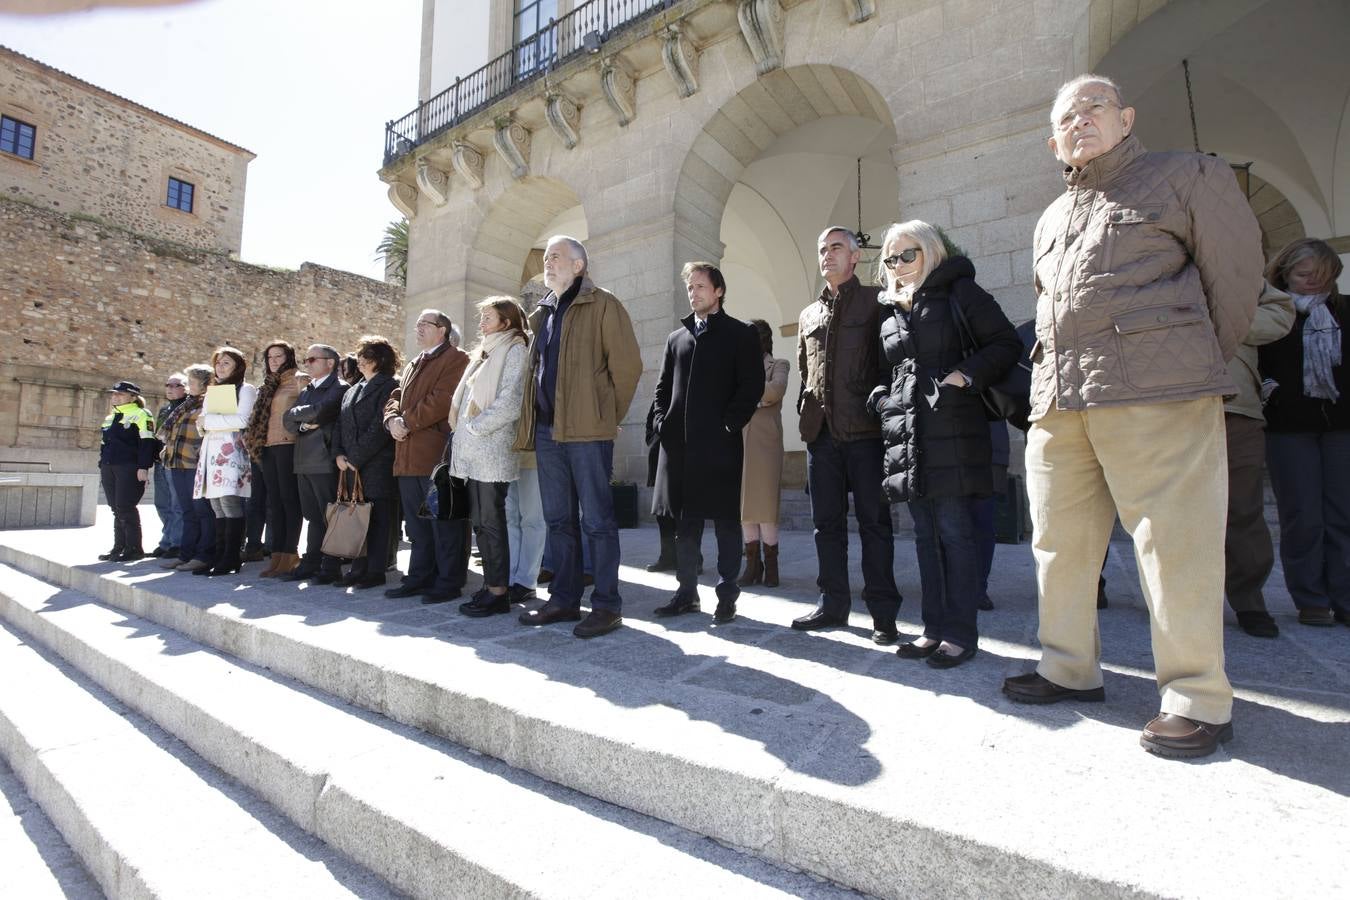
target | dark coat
[
  {"x": 838, "y": 362},
  {"x": 708, "y": 391},
  {"x": 362, "y": 437},
  {"x": 1289, "y": 409},
  {"x": 314, "y": 448},
  {"x": 653, "y": 442},
  {"x": 937, "y": 439}
]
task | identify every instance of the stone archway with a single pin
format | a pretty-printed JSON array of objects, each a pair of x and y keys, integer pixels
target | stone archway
[{"x": 510, "y": 231}]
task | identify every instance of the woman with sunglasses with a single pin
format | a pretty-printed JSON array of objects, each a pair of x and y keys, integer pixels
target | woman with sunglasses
[{"x": 943, "y": 339}]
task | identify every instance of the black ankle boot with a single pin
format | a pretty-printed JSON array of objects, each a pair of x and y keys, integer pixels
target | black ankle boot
[
  {"x": 220, "y": 547},
  {"x": 228, "y": 563}
]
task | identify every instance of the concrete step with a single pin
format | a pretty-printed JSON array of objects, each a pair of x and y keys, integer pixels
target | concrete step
[
  {"x": 38, "y": 863},
  {"x": 145, "y": 820},
  {"x": 823, "y": 751},
  {"x": 433, "y": 820}
]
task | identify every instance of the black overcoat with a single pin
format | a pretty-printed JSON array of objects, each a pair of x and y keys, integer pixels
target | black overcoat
[
  {"x": 361, "y": 436},
  {"x": 937, "y": 438},
  {"x": 708, "y": 390}
]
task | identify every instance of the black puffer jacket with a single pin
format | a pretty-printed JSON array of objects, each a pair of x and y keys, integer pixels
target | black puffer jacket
[
  {"x": 937, "y": 438},
  {"x": 1291, "y": 410}
]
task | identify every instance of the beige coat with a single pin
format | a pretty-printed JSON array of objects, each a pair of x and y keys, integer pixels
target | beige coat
[
  {"x": 1274, "y": 318},
  {"x": 1147, "y": 273},
  {"x": 762, "y": 471}
]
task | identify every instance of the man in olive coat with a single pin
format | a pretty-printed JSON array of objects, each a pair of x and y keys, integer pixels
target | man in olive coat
[{"x": 711, "y": 380}]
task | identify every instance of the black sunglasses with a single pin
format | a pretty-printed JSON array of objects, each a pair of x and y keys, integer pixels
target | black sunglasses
[
  {"x": 312, "y": 359},
  {"x": 904, "y": 256}
]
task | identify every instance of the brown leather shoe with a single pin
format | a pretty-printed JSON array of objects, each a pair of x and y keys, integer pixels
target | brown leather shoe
[
  {"x": 600, "y": 621},
  {"x": 1033, "y": 688},
  {"x": 548, "y": 614},
  {"x": 1177, "y": 737}
]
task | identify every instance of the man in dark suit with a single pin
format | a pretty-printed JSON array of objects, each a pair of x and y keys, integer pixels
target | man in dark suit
[
  {"x": 711, "y": 380},
  {"x": 312, "y": 419}
]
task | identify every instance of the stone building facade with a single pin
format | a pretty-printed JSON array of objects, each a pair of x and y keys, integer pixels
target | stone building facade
[
  {"x": 100, "y": 279},
  {"x": 667, "y": 130}
]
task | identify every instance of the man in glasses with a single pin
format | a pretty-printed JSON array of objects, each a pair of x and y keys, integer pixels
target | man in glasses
[
  {"x": 166, "y": 504},
  {"x": 312, "y": 420},
  {"x": 416, "y": 417},
  {"x": 837, "y": 355},
  {"x": 1147, "y": 273}
]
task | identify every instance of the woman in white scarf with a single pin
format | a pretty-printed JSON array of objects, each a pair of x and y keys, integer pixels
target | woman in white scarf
[
  {"x": 1308, "y": 433},
  {"x": 483, "y": 416}
]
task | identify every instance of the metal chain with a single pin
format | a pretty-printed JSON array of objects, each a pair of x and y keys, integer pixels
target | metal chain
[{"x": 1190, "y": 99}]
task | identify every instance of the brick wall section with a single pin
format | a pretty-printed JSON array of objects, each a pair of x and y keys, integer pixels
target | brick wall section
[
  {"x": 103, "y": 155},
  {"x": 83, "y": 303}
]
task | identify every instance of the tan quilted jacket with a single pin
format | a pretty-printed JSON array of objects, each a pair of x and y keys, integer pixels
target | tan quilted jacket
[{"x": 1147, "y": 273}]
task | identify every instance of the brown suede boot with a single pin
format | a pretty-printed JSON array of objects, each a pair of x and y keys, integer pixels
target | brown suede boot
[
  {"x": 754, "y": 570},
  {"x": 770, "y": 566},
  {"x": 282, "y": 564}
]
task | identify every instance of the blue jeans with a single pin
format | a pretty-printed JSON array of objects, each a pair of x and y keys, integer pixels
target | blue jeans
[
  {"x": 835, "y": 469},
  {"x": 571, "y": 473},
  {"x": 949, "y": 568},
  {"x": 984, "y": 510},
  {"x": 170, "y": 516},
  {"x": 1311, "y": 479},
  {"x": 525, "y": 528},
  {"x": 198, "y": 540}
]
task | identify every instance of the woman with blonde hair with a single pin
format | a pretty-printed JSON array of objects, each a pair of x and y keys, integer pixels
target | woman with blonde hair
[
  {"x": 943, "y": 339},
  {"x": 224, "y": 472},
  {"x": 762, "y": 469},
  {"x": 1308, "y": 433},
  {"x": 483, "y": 417}
]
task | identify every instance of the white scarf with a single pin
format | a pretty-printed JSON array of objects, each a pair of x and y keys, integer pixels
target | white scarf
[
  {"x": 484, "y": 375},
  {"x": 1321, "y": 346}
]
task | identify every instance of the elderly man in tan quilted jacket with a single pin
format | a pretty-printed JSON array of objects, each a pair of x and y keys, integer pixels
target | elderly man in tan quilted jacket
[{"x": 1147, "y": 271}]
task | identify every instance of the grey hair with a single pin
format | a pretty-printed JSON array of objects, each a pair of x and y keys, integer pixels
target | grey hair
[
  {"x": 1074, "y": 84},
  {"x": 200, "y": 373},
  {"x": 178, "y": 375},
  {"x": 929, "y": 239},
  {"x": 442, "y": 320},
  {"x": 575, "y": 246},
  {"x": 455, "y": 335},
  {"x": 329, "y": 352},
  {"x": 851, "y": 238}
]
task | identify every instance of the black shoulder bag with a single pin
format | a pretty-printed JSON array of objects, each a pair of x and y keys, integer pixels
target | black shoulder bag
[{"x": 1008, "y": 398}]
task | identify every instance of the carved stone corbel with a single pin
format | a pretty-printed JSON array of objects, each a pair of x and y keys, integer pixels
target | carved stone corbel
[
  {"x": 617, "y": 86},
  {"x": 404, "y": 198},
  {"x": 468, "y": 162},
  {"x": 681, "y": 61},
  {"x": 762, "y": 27},
  {"x": 512, "y": 141},
  {"x": 860, "y": 10},
  {"x": 433, "y": 182},
  {"x": 563, "y": 117}
]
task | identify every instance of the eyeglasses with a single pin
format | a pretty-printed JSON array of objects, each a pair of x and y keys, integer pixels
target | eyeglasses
[
  {"x": 314, "y": 359},
  {"x": 429, "y": 324},
  {"x": 906, "y": 256},
  {"x": 169, "y": 384}
]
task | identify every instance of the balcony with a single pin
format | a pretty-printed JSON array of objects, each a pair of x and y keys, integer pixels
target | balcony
[{"x": 584, "y": 30}]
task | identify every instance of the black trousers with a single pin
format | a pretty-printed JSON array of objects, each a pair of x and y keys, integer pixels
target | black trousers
[
  {"x": 283, "y": 497},
  {"x": 257, "y": 514},
  {"x": 689, "y": 555},
  {"x": 316, "y": 492},
  {"x": 383, "y": 510},
  {"x": 487, "y": 507},
  {"x": 123, "y": 490}
]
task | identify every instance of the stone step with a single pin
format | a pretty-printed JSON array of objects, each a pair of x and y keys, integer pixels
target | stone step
[
  {"x": 38, "y": 863},
  {"x": 822, "y": 750},
  {"x": 432, "y": 819},
  {"x": 146, "y": 821}
]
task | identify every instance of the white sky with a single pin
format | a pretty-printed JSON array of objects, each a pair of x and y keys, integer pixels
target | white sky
[{"x": 307, "y": 85}]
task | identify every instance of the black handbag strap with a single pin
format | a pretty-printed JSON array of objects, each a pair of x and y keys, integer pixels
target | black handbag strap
[{"x": 968, "y": 343}]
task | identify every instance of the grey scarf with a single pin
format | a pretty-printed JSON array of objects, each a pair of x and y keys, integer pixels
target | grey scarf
[{"x": 1321, "y": 346}]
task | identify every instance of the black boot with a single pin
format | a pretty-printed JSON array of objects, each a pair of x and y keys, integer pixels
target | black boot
[
  {"x": 666, "y": 562},
  {"x": 131, "y": 531},
  {"x": 234, "y": 536},
  {"x": 119, "y": 539},
  {"x": 219, "y": 554}
]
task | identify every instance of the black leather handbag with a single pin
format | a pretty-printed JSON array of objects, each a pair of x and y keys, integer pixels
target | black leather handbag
[
  {"x": 447, "y": 497},
  {"x": 1008, "y": 398}
]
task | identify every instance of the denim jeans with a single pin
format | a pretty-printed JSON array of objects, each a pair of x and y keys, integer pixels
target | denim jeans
[
  {"x": 525, "y": 528},
  {"x": 198, "y": 538},
  {"x": 949, "y": 568},
  {"x": 1310, "y": 475},
  {"x": 984, "y": 510},
  {"x": 834, "y": 469},
  {"x": 166, "y": 504},
  {"x": 571, "y": 473}
]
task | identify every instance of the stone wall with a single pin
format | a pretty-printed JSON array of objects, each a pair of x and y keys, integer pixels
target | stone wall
[
  {"x": 83, "y": 303},
  {"x": 102, "y": 155}
]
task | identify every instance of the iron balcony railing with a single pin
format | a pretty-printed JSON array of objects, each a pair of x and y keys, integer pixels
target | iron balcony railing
[{"x": 582, "y": 30}]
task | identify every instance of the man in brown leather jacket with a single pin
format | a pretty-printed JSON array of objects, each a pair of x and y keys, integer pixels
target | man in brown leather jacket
[
  {"x": 1147, "y": 273},
  {"x": 838, "y": 355}
]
